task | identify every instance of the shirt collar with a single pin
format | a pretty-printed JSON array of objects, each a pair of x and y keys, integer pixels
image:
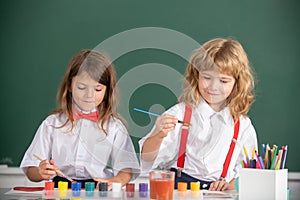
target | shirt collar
[
  {"x": 85, "y": 112},
  {"x": 206, "y": 113}
]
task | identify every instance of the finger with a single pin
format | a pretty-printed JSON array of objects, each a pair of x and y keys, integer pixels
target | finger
[
  {"x": 109, "y": 185},
  {"x": 169, "y": 126},
  {"x": 169, "y": 116},
  {"x": 165, "y": 119},
  {"x": 46, "y": 177},
  {"x": 51, "y": 162},
  {"x": 169, "y": 119},
  {"x": 169, "y": 129},
  {"x": 101, "y": 180},
  {"x": 214, "y": 186},
  {"x": 220, "y": 185},
  {"x": 47, "y": 174},
  {"x": 225, "y": 186},
  {"x": 45, "y": 164}
]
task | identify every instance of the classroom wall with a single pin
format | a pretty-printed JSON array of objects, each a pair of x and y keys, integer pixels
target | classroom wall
[{"x": 39, "y": 37}]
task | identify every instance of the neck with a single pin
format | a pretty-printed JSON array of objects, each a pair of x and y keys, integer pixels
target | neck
[{"x": 218, "y": 106}]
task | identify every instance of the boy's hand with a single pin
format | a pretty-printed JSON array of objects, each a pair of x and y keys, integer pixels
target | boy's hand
[
  {"x": 164, "y": 124},
  {"x": 221, "y": 186}
]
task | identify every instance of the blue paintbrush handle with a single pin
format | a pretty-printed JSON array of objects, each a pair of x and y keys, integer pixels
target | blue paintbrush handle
[{"x": 146, "y": 112}]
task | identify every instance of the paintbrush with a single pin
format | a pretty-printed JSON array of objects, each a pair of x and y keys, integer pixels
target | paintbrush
[
  {"x": 157, "y": 115},
  {"x": 60, "y": 173}
]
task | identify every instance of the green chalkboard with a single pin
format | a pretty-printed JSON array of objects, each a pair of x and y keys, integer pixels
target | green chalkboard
[{"x": 149, "y": 42}]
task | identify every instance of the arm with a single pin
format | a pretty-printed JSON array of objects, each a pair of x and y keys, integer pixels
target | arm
[
  {"x": 44, "y": 171},
  {"x": 222, "y": 185},
  {"x": 123, "y": 177},
  {"x": 163, "y": 125}
]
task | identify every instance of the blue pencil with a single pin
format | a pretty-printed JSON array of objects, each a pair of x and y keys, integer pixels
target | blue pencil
[
  {"x": 264, "y": 150},
  {"x": 157, "y": 115}
]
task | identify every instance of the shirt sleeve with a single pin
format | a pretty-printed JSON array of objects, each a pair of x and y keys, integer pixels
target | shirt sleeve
[
  {"x": 40, "y": 145},
  {"x": 167, "y": 154},
  {"x": 123, "y": 154}
]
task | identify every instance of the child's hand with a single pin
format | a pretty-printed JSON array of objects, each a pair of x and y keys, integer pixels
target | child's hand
[
  {"x": 103, "y": 180},
  {"x": 47, "y": 169},
  {"x": 164, "y": 124},
  {"x": 220, "y": 186}
]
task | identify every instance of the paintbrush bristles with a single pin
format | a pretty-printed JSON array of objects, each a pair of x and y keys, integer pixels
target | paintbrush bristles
[{"x": 184, "y": 123}]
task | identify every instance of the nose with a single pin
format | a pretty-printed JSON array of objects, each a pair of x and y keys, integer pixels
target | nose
[
  {"x": 214, "y": 84},
  {"x": 90, "y": 93}
]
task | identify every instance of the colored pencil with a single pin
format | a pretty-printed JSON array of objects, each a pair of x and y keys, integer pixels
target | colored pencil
[
  {"x": 274, "y": 156},
  {"x": 247, "y": 156},
  {"x": 284, "y": 157}
]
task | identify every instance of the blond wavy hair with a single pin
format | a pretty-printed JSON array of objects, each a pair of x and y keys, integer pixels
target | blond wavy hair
[
  {"x": 228, "y": 57},
  {"x": 100, "y": 68}
]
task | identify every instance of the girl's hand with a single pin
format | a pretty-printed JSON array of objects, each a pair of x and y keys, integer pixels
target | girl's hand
[
  {"x": 103, "y": 180},
  {"x": 220, "y": 186},
  {"x": 122, "y": 177},
  {"x": 164, "y": 124},
  {"x": 47, "y": 169}
]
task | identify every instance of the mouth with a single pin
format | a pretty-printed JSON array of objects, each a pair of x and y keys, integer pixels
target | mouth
[
  {"x": 88, "y": 102},
  {"x": 212, "y": 93}
]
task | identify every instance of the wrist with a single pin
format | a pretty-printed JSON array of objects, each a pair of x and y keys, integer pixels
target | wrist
[{"x": 158, "y": 135}]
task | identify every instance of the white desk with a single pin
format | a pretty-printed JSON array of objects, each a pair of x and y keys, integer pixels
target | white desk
[{"x": 110, "y": 195}]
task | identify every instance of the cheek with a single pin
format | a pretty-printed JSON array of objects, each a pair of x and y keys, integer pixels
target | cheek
[
  {"x": 77, "y": 93},
  {"x": 99, "y": 98},
  {"x": 202, "y": 84},
  {"x": 228, "y": 90}
]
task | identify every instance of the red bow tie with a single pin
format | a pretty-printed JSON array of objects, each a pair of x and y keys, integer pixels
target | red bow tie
[{"x": 77, "y": 114}]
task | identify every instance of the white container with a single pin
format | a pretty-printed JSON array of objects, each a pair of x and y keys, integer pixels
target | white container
[{"x": 263, "y": 184}]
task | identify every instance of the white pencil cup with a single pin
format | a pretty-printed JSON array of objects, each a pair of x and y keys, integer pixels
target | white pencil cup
[{"x": 263, "y": 184}]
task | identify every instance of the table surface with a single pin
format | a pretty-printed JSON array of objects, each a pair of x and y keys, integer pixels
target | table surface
[
  {"x": 123, "y": 195},
  {"x": 110, "y": 195}
]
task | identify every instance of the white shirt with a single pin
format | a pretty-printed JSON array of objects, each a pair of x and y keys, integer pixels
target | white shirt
[
  {"x": 208, "y": 143},
  {"x": 84, "y": 152}
]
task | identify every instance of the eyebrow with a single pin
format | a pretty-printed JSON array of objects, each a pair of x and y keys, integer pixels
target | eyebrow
[
  {"x": 227, "y": 78},
  {"x": 220, "y": 77},
  {"x": 96, "y": 86}
]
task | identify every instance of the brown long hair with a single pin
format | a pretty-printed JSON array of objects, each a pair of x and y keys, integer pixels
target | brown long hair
[
  {"x": 100, "y": 68},
  {"x": 228, "y": 57}
]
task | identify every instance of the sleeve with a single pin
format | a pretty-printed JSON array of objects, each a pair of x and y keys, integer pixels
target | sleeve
[
  {"x": 168, "y": 150},
  {"x": 123, "y": 153},
  {"x": 250, "y": 142},
  {"x": 40, "y": 145}
]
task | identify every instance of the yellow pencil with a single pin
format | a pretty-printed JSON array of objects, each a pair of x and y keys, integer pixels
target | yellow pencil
[
  {"x": 279, "y": 159},
  {"x": 60, "y": 173},
  {"x": 253, "y": 152},
  {"x": 246, "y": 154}
]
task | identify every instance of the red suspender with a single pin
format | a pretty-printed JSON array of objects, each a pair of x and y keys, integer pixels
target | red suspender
[
  {"x": 230, "y": 152},
  {"x": 183, "y": 141}
]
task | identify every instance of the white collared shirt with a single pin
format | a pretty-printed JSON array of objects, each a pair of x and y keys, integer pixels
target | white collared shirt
[
  {"x": 85, "y": 151},
  {"x": 208, "y": 143}
]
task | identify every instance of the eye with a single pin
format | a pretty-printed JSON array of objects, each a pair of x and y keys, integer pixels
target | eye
[
  {"x": 206, "y": 77},
  {"x": 98, "y": 89},
  {"x": 223, "y": 81},
  {"x": 80, "y": 87}
]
